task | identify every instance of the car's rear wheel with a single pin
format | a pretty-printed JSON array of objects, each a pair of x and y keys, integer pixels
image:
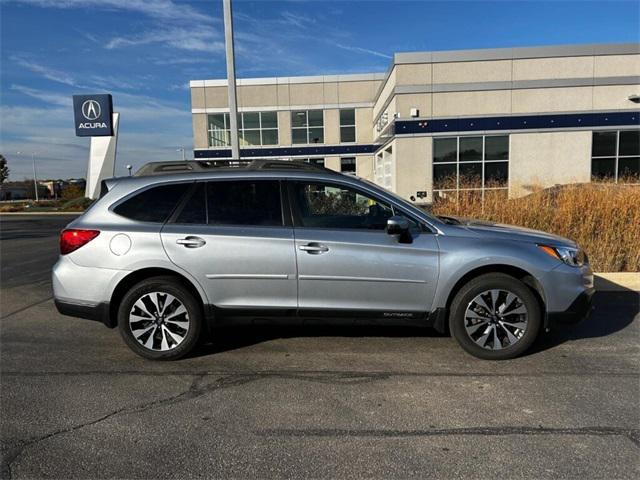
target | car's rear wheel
[
  {"x": 160, "y": 319},
  {"x": 495, "y": 317}
]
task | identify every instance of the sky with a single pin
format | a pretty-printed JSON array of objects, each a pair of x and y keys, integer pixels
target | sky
[{"x": 144, "y": 52}]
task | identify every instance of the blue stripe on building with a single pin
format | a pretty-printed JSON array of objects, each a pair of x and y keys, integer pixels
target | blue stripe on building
[
  {"x": 412, "y": 127},
  {"x": 522, "y": 122},
  {"x": 319, "y": 151}
]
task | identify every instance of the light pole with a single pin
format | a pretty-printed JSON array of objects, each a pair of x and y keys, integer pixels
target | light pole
[
  {"x": 231, "y": 79},
  {"x": 35, "y": 178},
  {"x": 129, "y": 167},
  {"x": 181, "y": 149}
]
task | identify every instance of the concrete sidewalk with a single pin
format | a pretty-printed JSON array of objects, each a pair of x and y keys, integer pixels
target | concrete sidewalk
[{"x": 617, "y": 281}]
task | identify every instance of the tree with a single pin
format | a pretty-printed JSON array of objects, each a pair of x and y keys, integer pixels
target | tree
[{"x": 4, "y": 169}]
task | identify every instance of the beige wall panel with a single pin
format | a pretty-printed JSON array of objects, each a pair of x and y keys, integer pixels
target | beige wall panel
[
  {"x": 331, "y": 93},
  {"x": 216, "y": 97},
  {"x": 197, "y": 97},
  {"x": 421, "y": 101},
  {"x": 563, "y": 67},
  {"x": 283, "y": 95},
  {"x": 413, "y": 74},
  {"x": 284, "y": 127},
  {"x": 412, "y": 165},
  {"x": 258, "y": 96},
  {"x": 552, "y": 99},
  {"x": 471, "y": 103},
  {"x": 200, "y": 134},
  {"x": 351, "y": 92},
  {"x": 617, "y": 65},
  {"x": 386, "y": 92},
  {"x": 332, "y": 163},
  {"x": 331, "y": 126},
  {"x": 464, "y": 72},
  {"x": 615, "y": 97},
  {"x": 306, "y": 94},
  {"x": 364, "y": 167},
  {"x": 364, "y": 132},
  {"x": 546, "y": 159}
]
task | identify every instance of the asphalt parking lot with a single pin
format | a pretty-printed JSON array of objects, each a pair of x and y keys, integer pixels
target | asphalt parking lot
[{"x": 329, "y": 402}]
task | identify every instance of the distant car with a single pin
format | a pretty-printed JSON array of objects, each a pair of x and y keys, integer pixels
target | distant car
[{"x": 168, "y": 255}]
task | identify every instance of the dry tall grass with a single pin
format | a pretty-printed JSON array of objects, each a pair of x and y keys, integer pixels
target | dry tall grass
[{"x": 604, "y": 218}]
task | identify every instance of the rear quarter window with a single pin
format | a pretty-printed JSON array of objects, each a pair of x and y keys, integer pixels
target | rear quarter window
[{"x": 154, "y": 204}]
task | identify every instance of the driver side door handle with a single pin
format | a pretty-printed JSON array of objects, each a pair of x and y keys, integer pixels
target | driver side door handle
[
  {"x": 191, "y": 242},
  {"x": 314, "y": 248}
]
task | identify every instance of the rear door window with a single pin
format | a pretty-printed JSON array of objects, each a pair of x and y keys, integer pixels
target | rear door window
[
  {"x": 244, "y": 202},
  {"x": 154, "y": 204},
  {"x": 195, "y": 209}
]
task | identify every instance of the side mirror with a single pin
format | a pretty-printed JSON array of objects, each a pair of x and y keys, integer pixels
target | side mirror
[{"x": 397, "y": 225}]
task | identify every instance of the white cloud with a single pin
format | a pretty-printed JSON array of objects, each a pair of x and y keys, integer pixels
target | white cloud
[
  {"x": 297, "y": 20},
  {"x": 109, "y": 82},
  {"x": 351, "y": 48},
  {"x": 47, "y": 97},
  {"x": 150, "y": 130},
  {"x": 46, "y": 72},
  {"x": 158, "y": 9},
  {"x": 275, "y": 42},
  {"x": 47, "y": 132},
  {"x": 203, "y": 39}
]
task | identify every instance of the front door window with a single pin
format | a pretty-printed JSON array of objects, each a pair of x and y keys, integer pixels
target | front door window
[{"x": 322, "y": 205}]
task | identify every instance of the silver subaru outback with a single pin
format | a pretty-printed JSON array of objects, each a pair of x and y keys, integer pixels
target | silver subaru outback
[{"x": 169, "y": 254}]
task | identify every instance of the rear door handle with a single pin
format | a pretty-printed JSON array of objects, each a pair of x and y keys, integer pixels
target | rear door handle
[
  {"x": 314, "y": 248},
  {"x": 191, "y": 242}
]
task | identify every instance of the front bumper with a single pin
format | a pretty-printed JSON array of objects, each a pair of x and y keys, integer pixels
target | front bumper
[{"x": 579, "y": 310}]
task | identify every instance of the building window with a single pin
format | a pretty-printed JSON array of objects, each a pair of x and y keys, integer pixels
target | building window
[
  {"x": 258, "y": 128},
  {"x": 348, "y": 165},
  {"x": 470, "y": 163},
  {"x": 383, "y": 168},
  {"x": 615, "y": 156},
  {"x": 219, "y": 130},
  {"x": 347, "y": 125},
  {"x": 254, "y": 128},
  {"x": 307, "y": 126},
  {"x": 314, "y": 161}
]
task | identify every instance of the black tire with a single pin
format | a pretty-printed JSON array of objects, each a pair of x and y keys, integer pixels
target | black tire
[
  {"x": 193, "y": 320},
  {"x": 469, "y": 292}
]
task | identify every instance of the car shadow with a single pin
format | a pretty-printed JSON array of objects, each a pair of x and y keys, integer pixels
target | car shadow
[
  {"x": 613, "y": 311},
  {"x": 230, "y": 338}
]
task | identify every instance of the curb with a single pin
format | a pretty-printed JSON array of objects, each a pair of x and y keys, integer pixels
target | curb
[{"x": 617, "y": 282}]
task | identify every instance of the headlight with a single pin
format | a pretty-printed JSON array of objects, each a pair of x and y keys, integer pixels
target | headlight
[{"x": 571, "y": 256}]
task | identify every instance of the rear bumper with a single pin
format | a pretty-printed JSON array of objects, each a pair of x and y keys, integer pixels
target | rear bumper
[
  {"x": 579, "y": 310},
  {"x": 97, "y": 312}
]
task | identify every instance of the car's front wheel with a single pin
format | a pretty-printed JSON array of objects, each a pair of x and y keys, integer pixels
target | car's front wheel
[
  {"x": 160, "y": 319},
  {"x": 495, "y": 317}
]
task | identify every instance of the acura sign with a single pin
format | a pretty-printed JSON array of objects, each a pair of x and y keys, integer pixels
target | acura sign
[{"x": 93, "y": 115}]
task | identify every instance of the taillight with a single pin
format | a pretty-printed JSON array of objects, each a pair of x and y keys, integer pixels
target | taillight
[{"x": 72, "y": 239}]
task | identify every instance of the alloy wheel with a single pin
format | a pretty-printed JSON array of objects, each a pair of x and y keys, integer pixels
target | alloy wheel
[
  {"x": 496, "y": 319},
  {"x": 159, "y": 321}
]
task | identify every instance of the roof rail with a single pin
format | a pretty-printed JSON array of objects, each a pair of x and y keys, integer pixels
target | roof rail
[
  {"x": 266, "y": 164},
  {"x": 194, "y": 166}
]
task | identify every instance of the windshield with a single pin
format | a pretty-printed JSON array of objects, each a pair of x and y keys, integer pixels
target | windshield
[{"x": 408, "y": 205}]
